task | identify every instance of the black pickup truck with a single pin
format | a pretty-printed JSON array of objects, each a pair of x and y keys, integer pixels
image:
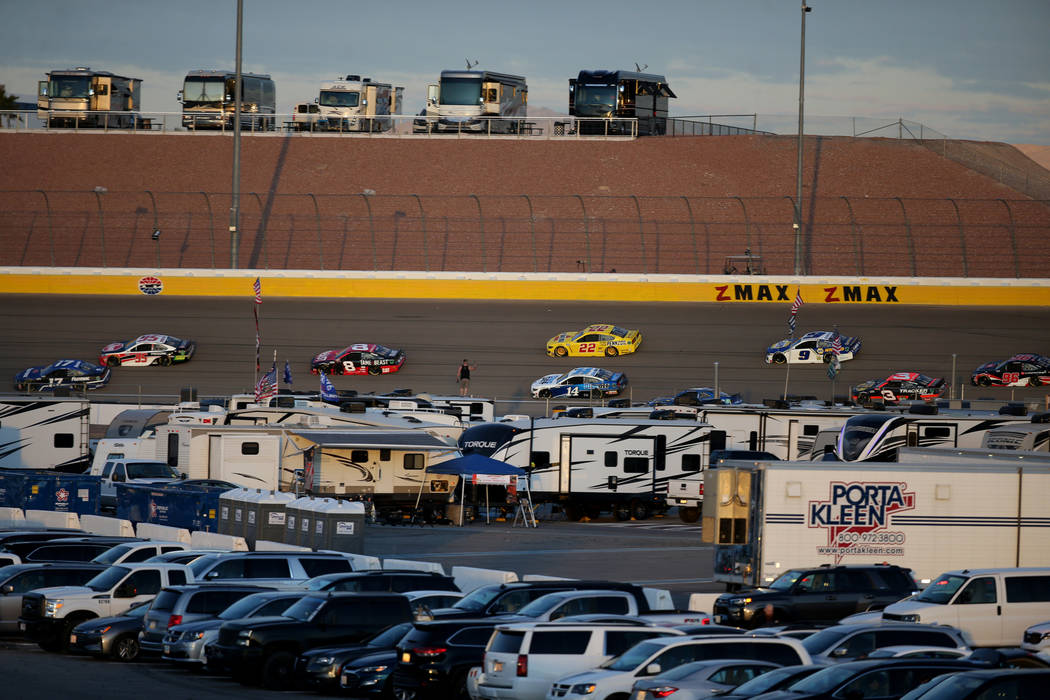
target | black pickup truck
[{"x": 265, "y": 648}]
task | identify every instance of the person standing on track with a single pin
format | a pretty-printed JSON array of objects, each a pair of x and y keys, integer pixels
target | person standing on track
[{"x": 463, "y": 377}]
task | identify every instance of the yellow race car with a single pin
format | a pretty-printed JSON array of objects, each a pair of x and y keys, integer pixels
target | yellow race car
[{"x": 596, "y": 339}]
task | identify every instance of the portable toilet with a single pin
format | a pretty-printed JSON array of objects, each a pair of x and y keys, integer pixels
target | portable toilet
[
  {"x": 250, "y": 504},
  {"x": 231, "y": 512},
  {"x": 340, "y": 525},
  {"x": 271, "y": 515},
  {"x": 298, "y": 513}
]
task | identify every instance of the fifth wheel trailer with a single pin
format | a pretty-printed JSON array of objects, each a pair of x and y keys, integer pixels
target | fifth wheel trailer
[
  {"x": 44, "y": 433},
  {"x": 929, "y": 514},
  {"x": 621, "y": 465}
]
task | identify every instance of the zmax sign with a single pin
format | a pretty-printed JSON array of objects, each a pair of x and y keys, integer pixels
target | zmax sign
[{"x": 850, "y": 294}]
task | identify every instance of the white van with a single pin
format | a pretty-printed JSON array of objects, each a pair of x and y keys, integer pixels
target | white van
[
  {"x": 523, "y": 659},
  {"x": 992, "y": 606}
]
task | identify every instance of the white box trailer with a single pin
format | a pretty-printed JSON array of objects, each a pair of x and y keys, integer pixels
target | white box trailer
[
  {"x": 594, "y": 465},
  {"x": 931, "y": 516},
  {"x": 44, "y": 433}
]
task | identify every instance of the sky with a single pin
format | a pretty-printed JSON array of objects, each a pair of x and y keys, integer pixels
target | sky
[{"x": 962, "y": 68}]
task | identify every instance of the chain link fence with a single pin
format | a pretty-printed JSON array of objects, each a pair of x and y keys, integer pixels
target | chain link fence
[{"x": 574, "y": 233}]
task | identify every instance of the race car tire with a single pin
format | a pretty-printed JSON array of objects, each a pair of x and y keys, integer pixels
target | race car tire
[
  {"x": 561, "y": 351},
  {"x": 827, "y": 357},
  {"x": 985, "y": 381},
  {"x": 374, "y": 371},
  {"x": 544, "y": 393},
  {"x": 164, "y": 361},
  {"x": 779, "y": 359},
  {"x": 611, "y": 352},
  {"x": 596, "y": 393},
  {"x": 113, "y": 361},
  {"x": 1034, "y": 381}
]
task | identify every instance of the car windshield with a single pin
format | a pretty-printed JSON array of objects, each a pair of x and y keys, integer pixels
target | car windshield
[
  {"x": 150, "y": 470},
  {"x": 824, "y": 640},
  {"x": 245, "y": 607},
  {"x": 622, "y": 332},
  {"x": 138, "y": 609},
  {"x": 201, "y": 564},
  {"x": 947, "y": 687},
  {"x": 823, "y": 681},
  {"x": 633, "y": 657},
  {"x": 305, "y": 608},
  {"x": 389, "y": 637},
  {"x": 385, "y": 351},
  {"x": 541, "y": 605},
  {"x": 767, "y": 681},
  {"x": 786, "y": 580},
  {"x": 477, "y": 599},
  {"x": 942, "y": 589},
  {"x": 107, "y": 579},
  {"x": 113, "y": 554},
  {"x": 683, "y": 671},
  {"x": 321, "y": 583}
]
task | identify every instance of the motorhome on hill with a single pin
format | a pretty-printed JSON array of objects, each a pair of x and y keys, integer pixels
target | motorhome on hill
[{"x": 621, "y": 465}]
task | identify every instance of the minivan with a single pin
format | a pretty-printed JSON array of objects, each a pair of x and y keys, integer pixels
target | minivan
[
  {"x": 523, "y": 659},
  {"x": 993, "y": 606}
]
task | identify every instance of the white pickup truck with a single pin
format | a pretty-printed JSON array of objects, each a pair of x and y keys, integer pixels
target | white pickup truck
[
  {"x": 50, "y": 614},
  {"x": 555, "y": 606},
  {"x": 120, "y": 470}
]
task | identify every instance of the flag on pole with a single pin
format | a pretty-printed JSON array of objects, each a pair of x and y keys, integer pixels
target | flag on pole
[
  {"x": 257, "y": 286},
  {"x": 267, "y": 386},
  {"x": 287, "y": 373},
  {"x": 795, "y": 306},
  {"x": 328, "y": 392},
  {"x": 255, "y": 310},
  {"x": 835, "y": 365}
]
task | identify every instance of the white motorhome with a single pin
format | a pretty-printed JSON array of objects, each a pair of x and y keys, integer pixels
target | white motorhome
[
  {"x": 789, "y": 432},
  {"x": 930, "y": 516},
  {"x": 480, "y": 101},
  {"x": 44, "y": 433},
  {"x": 358, "y": 104},
  {"x": 1024, "y": 436},
  {"x": 595, "y": 465}
]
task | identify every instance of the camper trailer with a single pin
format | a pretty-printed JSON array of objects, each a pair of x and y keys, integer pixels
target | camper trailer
[
  {"x": 621, "y": 465},
  {"x": 44, "y": 433},
  {"x": 1033, "y": 436}
]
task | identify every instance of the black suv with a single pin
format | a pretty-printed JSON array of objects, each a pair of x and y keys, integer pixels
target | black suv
[
  {"x": 504, "y": 598},
  {"x": 266, "y": 647},
  {"x": 820, "y": 594},
  {"x": 434, "y": 658},
  {"x": 387, "y": 580}
]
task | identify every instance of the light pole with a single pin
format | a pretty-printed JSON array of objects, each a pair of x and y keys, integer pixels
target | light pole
[
  {"x": 235, "y": 200},
  {"x": 801, "y": 112}
]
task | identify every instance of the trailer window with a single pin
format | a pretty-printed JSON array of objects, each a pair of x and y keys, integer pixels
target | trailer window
[
  {"x": 809, "y": 430},
  {"x": 249, "y": 448},
  {"x": 610, "y": 459},
  {"x": 414, "y": 460},
  {"x": 937, "y": 432},
  {"x": 384, "y": 455},
  {"x": 63, "y": 439},
  {"x": 358, "y": 455},
  {"x": 636, "y": 465},
  {"x": 540, "y": 460},
  {"x": 690, "y": 463},
  {"x": 173, "y": 449}
]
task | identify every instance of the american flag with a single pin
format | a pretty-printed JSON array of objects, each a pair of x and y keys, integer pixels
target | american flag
[
  {"x": 836, "y": 345},
  {"x": 797, "y": 304},
  {"x": 257, "y": 286},
  {"x": 267, "y": 386}
]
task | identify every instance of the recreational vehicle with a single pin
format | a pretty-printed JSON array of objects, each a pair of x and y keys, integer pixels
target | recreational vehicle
[
  {"x": 481, "y": 102},
  {"x": 45, "y": 433},
  {"x": 619, "y": 102},
  {"x": 209, "y": 99},
  {"x": 601, "y": 464},
  {"x": 358, "y": 104},
  {"x": 81, "y": 97}
]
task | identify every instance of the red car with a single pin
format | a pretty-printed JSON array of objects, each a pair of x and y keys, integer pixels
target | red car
[
  {"x": 361, "y": 358},
  {"x": 900, "y": 386}
]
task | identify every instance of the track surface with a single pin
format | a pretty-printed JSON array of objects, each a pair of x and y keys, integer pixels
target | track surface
[{"x": 505, "y": 340}]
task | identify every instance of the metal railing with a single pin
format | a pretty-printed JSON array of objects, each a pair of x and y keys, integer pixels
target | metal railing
[{"x": 850, "y": 236}]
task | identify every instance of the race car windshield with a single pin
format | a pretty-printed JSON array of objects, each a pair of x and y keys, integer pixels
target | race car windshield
[
  {"x": 924, "y": 380},
  {"x": 385, "y": 351},
  {"x": 622, "y": 332},
  {"x": 941, "y": 591}
]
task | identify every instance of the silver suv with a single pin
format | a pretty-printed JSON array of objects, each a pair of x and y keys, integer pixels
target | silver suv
[
  {"x": 277, "y": 569},
  {"x": 176, "y": 605},
  {"x": 852, "y": 642}
]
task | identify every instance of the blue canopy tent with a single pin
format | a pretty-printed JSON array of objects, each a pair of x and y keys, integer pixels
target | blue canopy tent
[{"x": 471, "y": 464}]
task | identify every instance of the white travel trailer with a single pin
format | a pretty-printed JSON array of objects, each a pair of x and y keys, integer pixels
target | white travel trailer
[
  {"x": 358, "y": 104},
  {"x": 44, "y": 433},
  {"x": 595, "y": 465},
  {"x": 927, "y": 514},
  {"x": 1025, "y": 436}
]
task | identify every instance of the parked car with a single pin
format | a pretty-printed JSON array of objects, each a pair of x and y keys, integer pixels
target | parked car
[
  {"x": 319, "y": 669},
  {"x": 916, "y": 651},
  {"x": 264, "y": 649},
  {"x": 559, "y": 604},
  {"x": 650, "y": 658},
  {"x": 128, "y": 552},
  {"x": 503, "y": 598},
  {"x": 522, "y": 660},
  {"x": 177, "y": 605},
  {"x": 82, "y": 549},
  {"x": 851, "y": 642},
  {"x": 185, "y": 643},
  {"x": 434, "y": 658},
  {"x": 817, "y": 594},
  {"x": 114, "y": 637},
  {"x": 22, "y": 578},
  {"x": 278, "y": 569},
  {"x": 1037, "y": 639},
  {"x": 986, "y": 685},
  {"x": 768, "y": 682},
  {"x": 700, "y": 679},
  {"x": 885, "y": 679},
  {"x": 369, "y": 676},
  {"x": 388, "y": 580},
  {"x": 24, "y": 548},
  {"x": 423, "y": 602},
  {"x": 182, "y": 557}
]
